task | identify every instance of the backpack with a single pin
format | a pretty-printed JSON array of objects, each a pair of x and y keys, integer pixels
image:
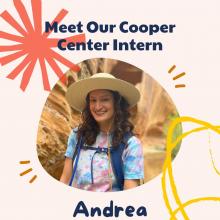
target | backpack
[{"x": 116, "y": 159}]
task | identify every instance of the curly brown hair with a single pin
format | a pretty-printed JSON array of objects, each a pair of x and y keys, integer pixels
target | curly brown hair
[{"x": 89, "y": 128}]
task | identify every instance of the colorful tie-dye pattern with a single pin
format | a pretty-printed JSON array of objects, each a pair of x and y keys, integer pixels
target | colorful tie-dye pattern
[{"x": 132, "y": 159}]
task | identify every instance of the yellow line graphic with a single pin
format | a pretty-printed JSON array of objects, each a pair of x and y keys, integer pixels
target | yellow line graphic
[
  {"x": 25, "y": 162},
  {"x": 179, "y": 75},
  {"x": 26, "y": 171},
  {"x": 33, "y": 178},
  {"x": 180, "y": 86},
  {"x": 168, "y": 172},
  {"x": 213, "y": 163},
  {"x": 171, "y": 69}
]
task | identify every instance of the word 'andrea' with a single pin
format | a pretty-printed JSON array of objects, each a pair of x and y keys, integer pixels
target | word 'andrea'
[{"x": 108, "y": 211}]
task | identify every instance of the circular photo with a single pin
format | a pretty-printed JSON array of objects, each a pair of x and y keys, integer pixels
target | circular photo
[{"x": 105, "y": 129}]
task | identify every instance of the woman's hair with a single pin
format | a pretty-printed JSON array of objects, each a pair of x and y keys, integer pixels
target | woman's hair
[{"x": 89, "y": 128}]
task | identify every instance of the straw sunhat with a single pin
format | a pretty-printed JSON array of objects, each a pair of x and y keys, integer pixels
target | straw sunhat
[{"x": 76, "y": 94}]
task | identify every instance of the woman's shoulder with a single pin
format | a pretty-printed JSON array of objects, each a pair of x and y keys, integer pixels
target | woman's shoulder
[
  {"x": 133, "y": 142},
  {"x": 134, "y": 148},
  {"x": 73, "y": 133},
  {"x": 74, "y": 130},
  {"x": 71, "y": 144}
]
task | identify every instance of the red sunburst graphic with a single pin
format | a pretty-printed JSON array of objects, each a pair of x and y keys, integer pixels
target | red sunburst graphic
[{"x": 35, "y": 45}]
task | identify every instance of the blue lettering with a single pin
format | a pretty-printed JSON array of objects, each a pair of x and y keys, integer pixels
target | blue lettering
[
  {"x": 108, "y": 211},
  {"x": 117, "y": 210},
  {"x": 60, "y": 44},
  {"x": 81, "y": 208},
  {"x": 49, "y": 27},
  {"x": 92, "y": 26},
  {"x": 122, "y": 28},
  {"x": 94, "y": 210},
  {"x": 129, "y": 211},
  {"x": 141, "y": 211}
]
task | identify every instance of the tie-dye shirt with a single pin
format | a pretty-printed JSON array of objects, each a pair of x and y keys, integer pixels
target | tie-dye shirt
[{"x": 132, "y": 158}]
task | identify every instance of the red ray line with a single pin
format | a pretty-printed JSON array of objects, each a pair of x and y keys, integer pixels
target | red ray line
[
  {"x": 44, "y": 74},
  {"x": 14, "y": 73},
  {"x": 27, "y": 74},
  {"x": 23, "y": 15},
  {"x": 11, "y": 37},
  {"x": 53, "y": 42},
  {"x": 9, "y": 58},
  {"x": 8, "y": 18},
  {"x": 63, "y": 60},
  {"x": 37, "y": 15},
  {"x": 57, "y": 19},
  {"x": 11, "y": 47},
  {"x": 56, "y": 69},
  {"x": 76, "y": 38}
]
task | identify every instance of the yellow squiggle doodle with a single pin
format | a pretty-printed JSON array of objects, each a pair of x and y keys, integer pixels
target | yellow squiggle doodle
[
  {"x": 167, "y": 168},
  {"x": 213, "y": 163},
  {"x": 192, "y": 201}
]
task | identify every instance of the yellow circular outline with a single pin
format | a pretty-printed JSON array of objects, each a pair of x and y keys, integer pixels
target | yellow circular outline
[
  {"x": 192, "y": 201},
  {"x": 167, "y": 168}
]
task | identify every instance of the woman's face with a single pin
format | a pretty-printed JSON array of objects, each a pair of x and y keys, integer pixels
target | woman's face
[{"x": 101, "y": 105}]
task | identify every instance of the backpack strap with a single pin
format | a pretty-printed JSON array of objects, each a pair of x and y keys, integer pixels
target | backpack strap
[
  {"x": 117, "y": 163},
  {"x": 116, "y": 159}
]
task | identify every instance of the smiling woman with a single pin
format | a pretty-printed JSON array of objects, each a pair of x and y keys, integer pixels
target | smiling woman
[
  {"x": 101, "y": 106},
  {"x": 96, "y": 104},
  {"x": 103, "y": 154}
]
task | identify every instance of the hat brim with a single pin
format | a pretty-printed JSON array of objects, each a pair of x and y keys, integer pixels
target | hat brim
[{"x": 78, "y": 91}]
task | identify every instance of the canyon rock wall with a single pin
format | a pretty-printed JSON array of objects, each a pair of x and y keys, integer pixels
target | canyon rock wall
[{"x": 151, "y": 116}]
